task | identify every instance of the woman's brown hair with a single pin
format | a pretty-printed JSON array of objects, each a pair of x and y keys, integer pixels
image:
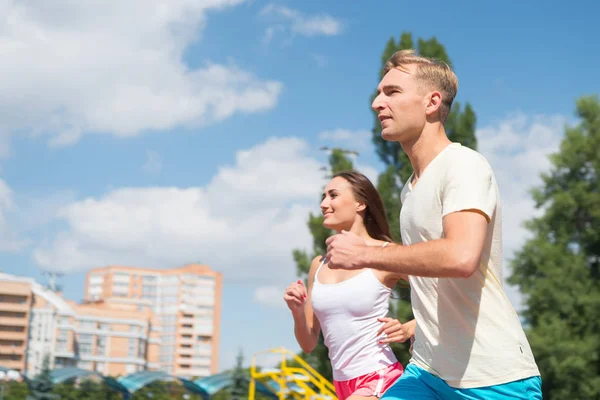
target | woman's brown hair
[{"x": 375, "y": 221}]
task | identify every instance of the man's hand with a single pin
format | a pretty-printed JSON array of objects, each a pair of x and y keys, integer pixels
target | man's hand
[{"x": 344, "y": 250}]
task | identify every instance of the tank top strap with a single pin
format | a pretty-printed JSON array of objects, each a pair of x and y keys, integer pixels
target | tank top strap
[{"x": 318, "y": 269}]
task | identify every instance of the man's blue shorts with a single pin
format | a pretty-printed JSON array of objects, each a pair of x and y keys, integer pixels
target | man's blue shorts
[{"x": 416, "y": 383}]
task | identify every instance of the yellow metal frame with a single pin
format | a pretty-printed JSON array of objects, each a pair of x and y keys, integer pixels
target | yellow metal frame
[{"x": 321, "y": 387}]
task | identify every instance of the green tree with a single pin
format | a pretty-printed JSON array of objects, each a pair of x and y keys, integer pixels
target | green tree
[
  {"x": 460, "y": 127},
  {"x": 558, "y": 268},
  {"x": 41, "y": 387},
  {"x": 319, "y": 358},
  {"x": 164, "y": 390},
  {"x": 13, "y": 390},
  {"x": 239, "y": 380}
]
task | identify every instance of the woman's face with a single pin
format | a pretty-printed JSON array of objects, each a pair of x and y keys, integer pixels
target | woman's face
[{"x": 339, "y": 206}]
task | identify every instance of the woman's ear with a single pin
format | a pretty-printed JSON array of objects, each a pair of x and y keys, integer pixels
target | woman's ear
[{"x": 361, "y": 207}]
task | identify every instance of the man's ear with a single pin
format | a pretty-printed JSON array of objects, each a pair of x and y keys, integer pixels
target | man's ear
[{"x": 434, "y": 103}]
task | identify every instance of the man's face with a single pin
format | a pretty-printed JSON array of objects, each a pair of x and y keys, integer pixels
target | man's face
[{"x": 400, "y": 104}]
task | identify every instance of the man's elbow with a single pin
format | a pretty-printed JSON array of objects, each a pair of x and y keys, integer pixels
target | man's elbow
[{"x": 467, "y": 264}]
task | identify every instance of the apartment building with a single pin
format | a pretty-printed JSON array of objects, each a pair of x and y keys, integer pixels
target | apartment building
[
  {"x": 186, "y": 302},
  {"x": 15, "y": 309},
  {"x": 108, "y": 337}
]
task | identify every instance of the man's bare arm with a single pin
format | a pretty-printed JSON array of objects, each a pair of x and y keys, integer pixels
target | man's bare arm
[{"x": 457, "y": 255}]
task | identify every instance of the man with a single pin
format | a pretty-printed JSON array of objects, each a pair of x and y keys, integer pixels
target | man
[{"x": 469, "y": 342}]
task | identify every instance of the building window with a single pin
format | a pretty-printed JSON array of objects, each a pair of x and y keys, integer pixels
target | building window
[
  {"x": 149, "y": 290},
  {"x": 172, "y": 279},
  {"x": 87, "y": 324},
  {"x": 100, "y": 346},
  {"x": 142, "y": 349},
  {"x": 149, "y": 279},
  {"x": 62, "y": 343},
  {"x": 85, "y": 348},
  {"x": 96, "y": 279},
  {"x": 202, "y": 347},
  {"x": 132, "y": 348},
  {"x": 85, "y": 365}
]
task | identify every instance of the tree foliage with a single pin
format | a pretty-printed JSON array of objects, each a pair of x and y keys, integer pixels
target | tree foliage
[
  {"x": 558, "y": 268},
  {"x": 239, "y": 386},
  {"x": 40, "y": 388}
]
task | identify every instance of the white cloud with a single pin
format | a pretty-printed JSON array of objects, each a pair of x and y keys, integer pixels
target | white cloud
[
  {"x": 518, "y": 149},
  {"x": 4, "y": 144},
  {"x": 352, "y": 140},
  {"x": 297, "y": 23},
  {"x": 271, "y": 31},
  {"x": 245, "y": 222},
  {"x": 270, "y": 296},
  {"x": 71, "y": 68},
  {"x": 9, "y": 241},
  {"x": 153, "y": 162},
  {"x": 369, "y": 171}
]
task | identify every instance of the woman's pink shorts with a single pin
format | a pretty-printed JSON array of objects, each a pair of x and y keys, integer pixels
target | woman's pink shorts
[{"x": 371, "y": 384}]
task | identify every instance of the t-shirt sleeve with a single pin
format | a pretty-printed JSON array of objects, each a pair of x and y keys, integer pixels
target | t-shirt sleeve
[{"x": 469, "y": 184}]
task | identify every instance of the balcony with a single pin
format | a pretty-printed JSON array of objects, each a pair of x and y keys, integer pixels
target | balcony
[
  {"x": 186, "y": 331},
  {"x": 13, "y": 335},
  {"x": 16, "y": 307},
  {"x": 203, "y": 352},
  {"x": 197, "y": 362},
  {"x": 183, "y": 340},
  {"x": 195, "y": 372},
  {"x": 9, "y": 349},
  {"x": 204, "y": 330},
  {"x": 186, "y": 321},
  {"x": 185, "y": 351},
  {"x": 14, "y": 321},
  {"x": 13, "y": 364},
  {"x": 64, "y": 354}
]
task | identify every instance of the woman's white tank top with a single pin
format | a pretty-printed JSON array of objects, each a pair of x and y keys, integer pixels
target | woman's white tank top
[{"x": 348, "y": 312}]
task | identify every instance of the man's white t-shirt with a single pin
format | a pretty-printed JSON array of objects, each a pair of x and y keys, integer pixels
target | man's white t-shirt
[{"x": 467, "y": 332}]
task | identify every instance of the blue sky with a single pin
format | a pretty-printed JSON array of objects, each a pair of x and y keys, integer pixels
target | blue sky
[{"x": 156, "y": 136}]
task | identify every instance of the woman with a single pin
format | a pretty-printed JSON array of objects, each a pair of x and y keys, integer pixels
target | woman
[{"x": 351, "y": 306}]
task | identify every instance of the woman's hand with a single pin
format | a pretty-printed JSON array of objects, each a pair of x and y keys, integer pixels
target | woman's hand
[{"x": 393, "y": 330}]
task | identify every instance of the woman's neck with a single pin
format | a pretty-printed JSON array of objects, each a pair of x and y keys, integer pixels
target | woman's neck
[{"x": 359, "y": 229}]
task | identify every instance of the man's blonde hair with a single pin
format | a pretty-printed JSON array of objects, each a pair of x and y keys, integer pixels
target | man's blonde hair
[{"x": 434, "y": 74}]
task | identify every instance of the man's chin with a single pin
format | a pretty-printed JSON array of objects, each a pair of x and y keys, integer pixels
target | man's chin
[{"x": 389, "y": 136}]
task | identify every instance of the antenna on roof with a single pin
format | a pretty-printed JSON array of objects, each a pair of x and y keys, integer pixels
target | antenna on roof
[{"x": 52, "y": 280}]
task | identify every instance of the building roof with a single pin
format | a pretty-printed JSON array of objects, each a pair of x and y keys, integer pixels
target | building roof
[{"x": 51, "y": 297}]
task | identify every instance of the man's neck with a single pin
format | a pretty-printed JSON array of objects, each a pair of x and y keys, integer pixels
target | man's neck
[{"x": 430, "y": 143}]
